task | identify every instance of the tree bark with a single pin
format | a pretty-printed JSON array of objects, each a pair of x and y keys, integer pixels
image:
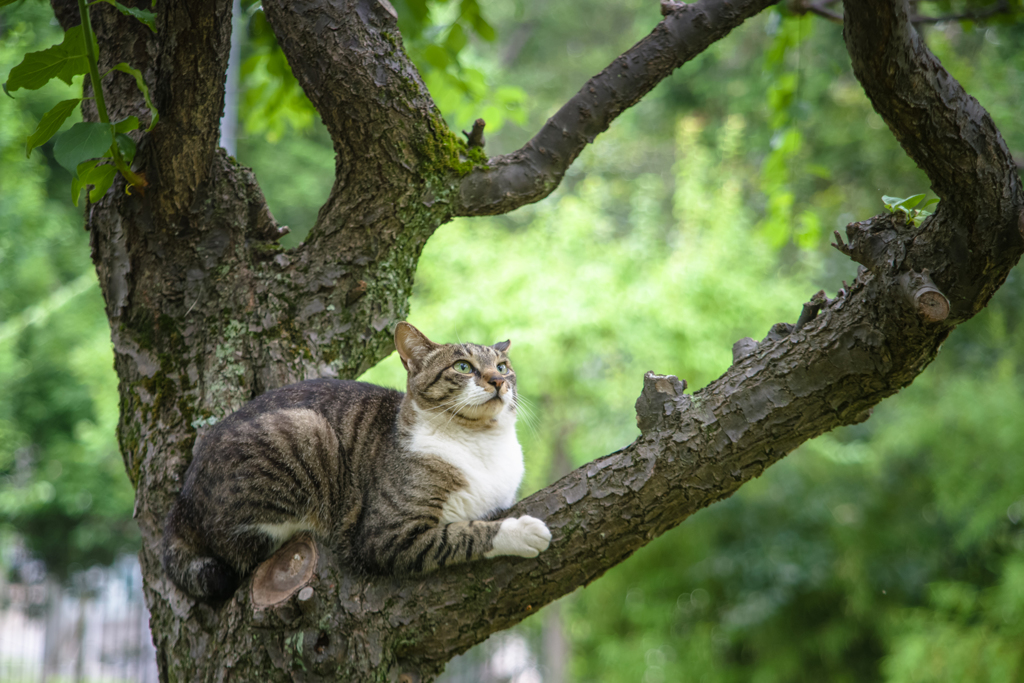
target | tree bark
[{"x": 207, "y": 311}]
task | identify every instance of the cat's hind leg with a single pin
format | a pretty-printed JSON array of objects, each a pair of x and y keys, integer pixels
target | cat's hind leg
[{"x": 191, "y": 567}]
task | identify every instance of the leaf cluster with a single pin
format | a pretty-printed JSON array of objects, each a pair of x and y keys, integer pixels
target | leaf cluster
[
  {"x": 912, "y": 207},
  {"x": 82, "y": 149}
]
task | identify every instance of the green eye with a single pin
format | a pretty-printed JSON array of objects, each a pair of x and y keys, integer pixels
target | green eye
[
  {"x": 463, "y": 367},
  {"x": 502, "y": 368}
]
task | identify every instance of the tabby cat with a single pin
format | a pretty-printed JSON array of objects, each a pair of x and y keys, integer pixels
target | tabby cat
[{"x": 395, "y": 483}]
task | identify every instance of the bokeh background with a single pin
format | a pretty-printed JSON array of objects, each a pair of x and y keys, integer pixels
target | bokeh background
[{"x": 889, "y": 551}]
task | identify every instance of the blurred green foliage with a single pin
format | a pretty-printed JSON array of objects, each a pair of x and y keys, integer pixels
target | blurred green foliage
[
  {"x": 63, "y": 488},
  {"x": 887, "y": 551}
]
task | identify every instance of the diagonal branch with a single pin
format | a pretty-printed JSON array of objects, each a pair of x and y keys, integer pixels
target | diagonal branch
[
  {"x": 535, "y": 170},
  {"x": 1001, "y": 7}
]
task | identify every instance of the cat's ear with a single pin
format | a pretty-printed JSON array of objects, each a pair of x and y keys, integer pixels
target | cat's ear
[
  {"x": 503, "y": 346},
  {"x": 412, "y": 344}
]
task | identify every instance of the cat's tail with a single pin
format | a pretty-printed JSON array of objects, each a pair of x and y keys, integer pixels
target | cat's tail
[{"x": 203, "y": 577}]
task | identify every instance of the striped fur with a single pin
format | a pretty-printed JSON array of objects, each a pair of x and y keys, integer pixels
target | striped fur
[{"x": 395, "y": 483}]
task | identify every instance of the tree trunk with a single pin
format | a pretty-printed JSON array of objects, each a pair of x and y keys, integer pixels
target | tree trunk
[{"x": 207, "y": 311}]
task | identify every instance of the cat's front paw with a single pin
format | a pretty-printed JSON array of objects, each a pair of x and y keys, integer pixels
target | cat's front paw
[{"x": 524, "y": 536}]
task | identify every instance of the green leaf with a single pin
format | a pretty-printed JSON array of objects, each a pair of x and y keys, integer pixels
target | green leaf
[
  {"x": 90, "y": 173},
  {"x": 912, "y": 201},
  {"x": 919, "y": 216},
  {"x": 50, "y": 123},
  {"x": 79, "y": 177},
  {"x": 456, "y": 39},
  {"x": 892, "y": 202},
  {"x": 101, "y": 179},
  {"x": 64, "y": 61},
  {"x": 483, "y": 29},
  {"x": 82, "y": 141},
  {"x": 146, "y": 16},
  {"x": 125, "y": 125},
  {"x": 143, "y": 88},
  {"x": 127, "y": 147},
  {"x": 436, "y": 56},
  {"x": 930, "y": 202}
]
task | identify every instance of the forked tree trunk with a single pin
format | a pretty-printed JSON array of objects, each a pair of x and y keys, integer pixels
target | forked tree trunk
[{"x": 207, "y": 311}]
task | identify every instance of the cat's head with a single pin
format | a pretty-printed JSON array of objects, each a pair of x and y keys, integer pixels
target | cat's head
[{"x": 467, "y": 381}]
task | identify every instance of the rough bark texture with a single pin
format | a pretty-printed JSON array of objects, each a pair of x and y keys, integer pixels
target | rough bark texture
[{"x": 207, "y": 311}]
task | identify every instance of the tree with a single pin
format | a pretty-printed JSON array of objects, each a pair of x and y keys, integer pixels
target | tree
[{"x": 207, "y": 311}]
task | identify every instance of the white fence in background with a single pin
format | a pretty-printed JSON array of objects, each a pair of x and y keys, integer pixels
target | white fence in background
[{"x": 96, "y": 631}]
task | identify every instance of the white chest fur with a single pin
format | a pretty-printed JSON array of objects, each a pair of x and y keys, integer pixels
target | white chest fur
[{"x": 490, "y": 460}]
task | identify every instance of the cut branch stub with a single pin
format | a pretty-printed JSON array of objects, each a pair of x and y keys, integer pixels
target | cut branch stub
[
  {"x": 309, "y": 603},
  {"x": 874, "y": 243},
  {"x": 475, "y": 137},
  {"x": 285, "y": 573},
  {"x": 659, "y": 398},
  {"x": 811, "y": 309},
  {"x": 930, "y": 304}
]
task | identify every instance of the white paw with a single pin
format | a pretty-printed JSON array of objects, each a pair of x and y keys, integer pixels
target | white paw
[{"x": 525, "y": 537}]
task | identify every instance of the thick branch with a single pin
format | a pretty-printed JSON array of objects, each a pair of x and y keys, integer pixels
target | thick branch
[
  {"x": 195, "y": 38},
  {"x": 943, "y": 129},
  {"x": 391, "y": 188},
  {"x": 954, "y": 140},
  {"x": 535, "y": 170},
  {"x": 387, "y": 132}
]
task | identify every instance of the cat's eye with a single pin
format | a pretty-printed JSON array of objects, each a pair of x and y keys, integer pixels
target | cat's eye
[
  {"x": 503, "y": 368},
  {"x": 463, "y": 367}
]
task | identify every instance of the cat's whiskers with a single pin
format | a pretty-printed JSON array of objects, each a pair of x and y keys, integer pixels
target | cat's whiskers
[
  {"x": 455, "y": 412},
  {"x": 454, "y": 405},
  {"x": 528, "y": 413},
  {"x": 441, "y": 406}
]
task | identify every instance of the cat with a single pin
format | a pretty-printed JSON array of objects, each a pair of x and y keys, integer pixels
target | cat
[{"x": 397, "y": 484}]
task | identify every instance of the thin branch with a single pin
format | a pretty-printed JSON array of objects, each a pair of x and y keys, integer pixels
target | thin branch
[
  {"x": 536, "y": 169},
  {"x": 818, "y": 8},
  {"x": 1001, "y": 7}
]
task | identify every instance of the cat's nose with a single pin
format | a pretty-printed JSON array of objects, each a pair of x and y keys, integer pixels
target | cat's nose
[{"x": 496, "y": 381}]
